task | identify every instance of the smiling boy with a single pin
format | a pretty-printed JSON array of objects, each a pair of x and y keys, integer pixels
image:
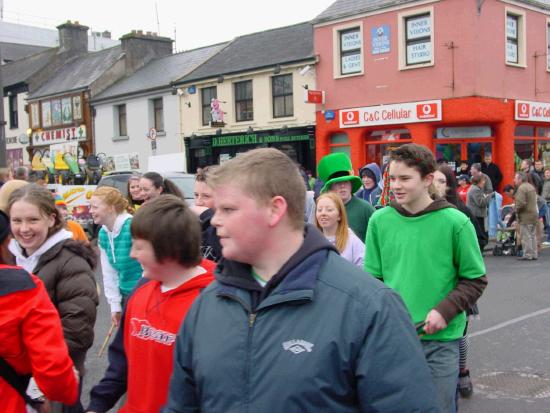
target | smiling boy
[
  {"x": 140, "y": 357},
  {"x": 427, "y": 251},
  {"x": 289, "y": 325}
]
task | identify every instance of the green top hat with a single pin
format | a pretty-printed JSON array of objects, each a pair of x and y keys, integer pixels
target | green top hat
[{"x": 337, "y": 167}]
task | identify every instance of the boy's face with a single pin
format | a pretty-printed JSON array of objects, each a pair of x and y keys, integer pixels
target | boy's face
[
  {"x": 203, "y": 195},
  {"x": 343, "y": 190},
  {"x": 241, "y": 223},
  {"x": 406, "y": 183},
  {"x": 143, "y": 252}
]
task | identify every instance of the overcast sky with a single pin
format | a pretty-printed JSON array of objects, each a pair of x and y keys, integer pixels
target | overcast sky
[{"x": 197, "y": 23}]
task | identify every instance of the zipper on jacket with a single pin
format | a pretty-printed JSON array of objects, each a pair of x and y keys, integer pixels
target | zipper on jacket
[{"x": 251, "y": 321}]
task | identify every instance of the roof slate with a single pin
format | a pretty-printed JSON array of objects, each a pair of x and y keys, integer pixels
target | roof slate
[
  {"x": 21, "y": 70},
  {"x": 79, "y": 73},
  {"x": 161, "y": 72},
  {"x": 15, "y": 51},
  {"x": 346, "y": 8},
  {"x": 253, "y": 51}
]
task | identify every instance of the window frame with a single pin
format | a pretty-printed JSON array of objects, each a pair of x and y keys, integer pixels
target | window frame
[
  {"x": 404, "y": 41},
  {"x": 520, "y": 37},
  {"x": 122, "y": 119},
  {"x": 284, "y": 95},
  {"x": 248, "y": 101},
  {"x": 13, "y": 111},
  {"x": 206, "y": 106},
  {"x": 158, "y": 123},
  {"x": 337, "y": 33},
  {"x": 548, "y": 44}
]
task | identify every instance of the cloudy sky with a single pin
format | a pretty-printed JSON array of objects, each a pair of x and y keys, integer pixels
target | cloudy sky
[{"x": 197, "y": 23}]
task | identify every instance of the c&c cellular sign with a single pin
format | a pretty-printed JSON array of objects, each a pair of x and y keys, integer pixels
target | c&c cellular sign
[
  {"x": 412, "y": 112},
  {"x": 535, "y": 111}
]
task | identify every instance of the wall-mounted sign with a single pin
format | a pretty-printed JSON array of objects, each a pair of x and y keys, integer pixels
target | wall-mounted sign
[
  {"x": 23, "y": 139},
  {"x": 329, "y": 115},
  {"x": 67, "y": 111},
  {"x": 534, "y": 111},
  {"x": 46, "y": 114},
  {"x": 314, "y": 96},
  {"x": 77, "y": 107},
  {"x": 401, "y": 113},
  {"x": 254, "y": 139},
  {"x": 462, "y": 132},
  {"x": 192, "y": 90},
  {"x": 56, "y": 112},
  {"x": 11, "y": 140},
  {"x": 59, "y": 135},
  {"x": 35, "y": 115},
  {"x": 380, "y": 39}
]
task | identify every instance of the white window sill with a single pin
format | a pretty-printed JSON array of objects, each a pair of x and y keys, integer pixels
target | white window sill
[
  {"x": 417, "y": 66},
  {"x": 361, "y": 73},
  {"x": 161, "y": 133},
  {"x": 283, "y": 119},
  {"x": 520, "y": 65},
  {"x": 120, "y": 138}
]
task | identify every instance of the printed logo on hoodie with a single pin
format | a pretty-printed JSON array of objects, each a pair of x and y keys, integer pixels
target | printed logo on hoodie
[
  {"x": 143, "y": 330},
  {"x": 298, "y": 346}
]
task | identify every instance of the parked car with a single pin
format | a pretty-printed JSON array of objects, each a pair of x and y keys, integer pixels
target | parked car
[{"x": 119, "y": 180}]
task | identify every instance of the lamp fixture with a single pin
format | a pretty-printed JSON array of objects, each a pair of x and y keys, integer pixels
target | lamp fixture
[
  {"x": 218, "y": 132},
  {"x": 277, "y": 69},
  {"x": 306, "y": 87},
  {"x": 174, "y": 90},
  {"x": 249, "y": 130},
  {"x": 284, "y": 129},
  {"x": 220, "y": 79}
]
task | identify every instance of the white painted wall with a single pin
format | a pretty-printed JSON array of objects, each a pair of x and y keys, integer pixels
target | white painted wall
[
  {"x": 139, "y": 119},
  {"x": 23, "y": 125}
]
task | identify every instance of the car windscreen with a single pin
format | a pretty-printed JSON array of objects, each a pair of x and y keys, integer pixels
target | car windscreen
[
  {"x": 185, "y": 184},
  {"x": 119, "y": 182}
]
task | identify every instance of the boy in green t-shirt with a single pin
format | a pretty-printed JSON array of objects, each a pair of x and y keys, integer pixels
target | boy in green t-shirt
[{"x": 427, "y": 251}]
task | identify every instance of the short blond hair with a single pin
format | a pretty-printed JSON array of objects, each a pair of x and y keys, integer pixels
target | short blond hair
[{"x": 263, "y": 174}]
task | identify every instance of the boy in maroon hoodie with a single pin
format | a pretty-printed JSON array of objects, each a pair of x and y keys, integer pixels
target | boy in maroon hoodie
[{"x": 140, "y": 358}]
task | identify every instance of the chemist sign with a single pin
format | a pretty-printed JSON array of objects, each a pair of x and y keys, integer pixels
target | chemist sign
[
  {"x": 412, "y": 112},
  {"x": 534, "y": 111},
  {"x": 380, "y": 39}
]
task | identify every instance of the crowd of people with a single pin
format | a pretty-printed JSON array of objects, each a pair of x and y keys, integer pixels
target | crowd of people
[{"x": 275, "y": 291}]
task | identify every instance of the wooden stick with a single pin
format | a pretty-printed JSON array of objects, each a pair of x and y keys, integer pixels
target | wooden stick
[{"x": 109, "y": 334}]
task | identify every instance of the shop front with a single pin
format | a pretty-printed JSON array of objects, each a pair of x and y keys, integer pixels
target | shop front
[
  {"x": 297, "y": 143},
  {"x": 454, "y": 129}
]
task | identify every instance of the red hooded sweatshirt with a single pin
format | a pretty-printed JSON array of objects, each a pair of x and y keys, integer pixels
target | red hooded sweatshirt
[
  {"x": 31, "y": 340},
  {"x": 152, "y": 320}
]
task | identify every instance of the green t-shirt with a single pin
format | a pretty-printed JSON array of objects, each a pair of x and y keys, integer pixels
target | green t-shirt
[
  {"x": 422, "y": 258},
  {"x": 358, "y": 212}
]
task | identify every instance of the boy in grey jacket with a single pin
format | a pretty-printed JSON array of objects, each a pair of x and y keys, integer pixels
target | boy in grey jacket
[{"x": 289, "y": 325}]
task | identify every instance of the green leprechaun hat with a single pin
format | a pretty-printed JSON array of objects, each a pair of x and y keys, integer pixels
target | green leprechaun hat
[{"x": 337, "y": 167}]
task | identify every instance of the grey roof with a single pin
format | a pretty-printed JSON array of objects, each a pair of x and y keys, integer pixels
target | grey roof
[
  {"x": 15, "y": 51},
  {"x": 79, "y": 73},
  {"x": 258, "y": 50},
  {"x": 160, "y": 72},
  {"x": 21, "y": 70},
  {"x": 345, "y": 8}
]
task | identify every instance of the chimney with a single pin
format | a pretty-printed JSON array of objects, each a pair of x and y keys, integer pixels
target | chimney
[
  {"x": 140, "y": 48},
  {"x": 106, "y": 34},
  {"x": 73, "y": 38}
]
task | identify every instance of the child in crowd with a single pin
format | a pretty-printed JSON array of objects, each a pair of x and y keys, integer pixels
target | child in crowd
[
  {"x": 43, "y": 247},
  {"x": 73, "y": 226},
  {"x": 135, "y": 197},
  {"x": 120, "y": 272},
  {"x": 332, "y": 221},
  {"x": 140, "y": 357},
  {"x": 400, "y": 250}
]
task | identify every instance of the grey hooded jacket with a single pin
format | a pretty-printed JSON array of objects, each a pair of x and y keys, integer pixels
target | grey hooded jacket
[{"x": 322, "y": 336}]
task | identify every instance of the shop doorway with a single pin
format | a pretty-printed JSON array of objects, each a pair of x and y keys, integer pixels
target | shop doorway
[
  {"x": 379, "y": 144},
  {"x": 455, "y": 151}
]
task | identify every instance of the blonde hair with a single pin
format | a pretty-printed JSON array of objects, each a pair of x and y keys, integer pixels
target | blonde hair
[
  {"x": 112, "y": 197},
  {"x": 342, "y": 234},
  {"x": 263, "y": 174}
]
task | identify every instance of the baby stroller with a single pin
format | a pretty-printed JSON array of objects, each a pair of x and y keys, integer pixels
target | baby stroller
[{"x": 506, "y": 232}]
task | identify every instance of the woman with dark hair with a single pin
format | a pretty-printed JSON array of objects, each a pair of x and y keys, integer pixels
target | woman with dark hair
[
  {"x": 152, "y": 184},
  {"x": 446, "y": 187}
]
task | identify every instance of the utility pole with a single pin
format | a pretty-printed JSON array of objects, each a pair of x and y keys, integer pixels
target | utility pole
[{"x": 3, "y": 162}]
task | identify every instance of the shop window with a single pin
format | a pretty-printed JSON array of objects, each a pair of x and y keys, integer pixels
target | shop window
[
  {"x": 12, "y": 107},
  {"x": 515, "y": 38},
  {"x": 543, "y": 132},
  {"x": 243, "y": 101},
  {"x": 283, "y": 104},
  {"x": 339, "y": 142},
  {"x": 548, "y": 44},
  {"x": 158, "y": 114},
  {"x": 207, "y": 94},
  {"x": 350, "y": 51},
  {"x": 532, "y": 143},
  {"x": 120, "y": 120},
  {"x": 379, "y": 144},
  {"x": 389, "y": 135},
  {"x": 415, "y": 33},
  {"x": 523, "y": 130}
]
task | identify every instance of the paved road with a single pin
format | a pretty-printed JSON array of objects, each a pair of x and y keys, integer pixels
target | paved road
[{"x": 509, "y": 358}]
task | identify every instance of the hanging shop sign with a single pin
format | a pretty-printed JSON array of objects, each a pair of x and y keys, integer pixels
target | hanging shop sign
[
  {"x": 380, "y": 39},
  {"x": 254, "y": 139},
  {"x": 401, "y": 113},
  {"x": 314, "y": 96},
  {"x": 533, "y": 111},
  {"x": 59, "y": 135}
]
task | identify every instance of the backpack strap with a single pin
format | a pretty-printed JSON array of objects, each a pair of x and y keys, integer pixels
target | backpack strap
[{"x": 18, "y": 382}]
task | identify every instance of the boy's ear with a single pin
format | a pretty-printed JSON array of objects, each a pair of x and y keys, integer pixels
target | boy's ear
[
  {"x": 429, "y": 179},
  {"x": 277, "y": 210}
]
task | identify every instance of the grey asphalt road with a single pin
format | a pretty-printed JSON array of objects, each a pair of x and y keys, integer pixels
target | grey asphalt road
[{"x": 510, "y": 345}]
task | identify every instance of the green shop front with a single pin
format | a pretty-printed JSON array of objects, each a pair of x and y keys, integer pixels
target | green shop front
[{"x": 297, "y": 143}]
